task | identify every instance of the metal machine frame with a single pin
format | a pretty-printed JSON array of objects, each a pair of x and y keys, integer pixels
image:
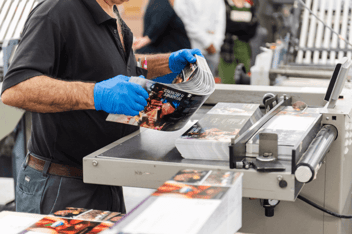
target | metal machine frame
[
  {"x": 331, "y": 189},
  {"x": 309, "y": 49}
]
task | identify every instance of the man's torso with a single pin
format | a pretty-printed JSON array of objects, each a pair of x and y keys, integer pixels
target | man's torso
[{"x": 86, "y": 48}]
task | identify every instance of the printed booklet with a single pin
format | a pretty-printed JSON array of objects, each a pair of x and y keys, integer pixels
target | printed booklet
[
  {"x": 89, "y": 214},
  {"x": 210, "y": 137},
  {"x": 52, "y": 224},
  {"x": 171, "y": 105}
]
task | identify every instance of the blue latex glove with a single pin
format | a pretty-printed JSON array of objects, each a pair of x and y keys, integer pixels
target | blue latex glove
[
  {"x": 118, "y": 96},
  {"x": 179, "y": 59}
]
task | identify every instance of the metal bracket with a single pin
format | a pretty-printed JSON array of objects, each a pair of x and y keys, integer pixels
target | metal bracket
[
  {"x": 268, "y": 147},
  {"x": 267, "y": 160},
  {"x": 270, "y": 100},
  {"x": 270, "y": 166},
  {"x": 237, "y": 147}
]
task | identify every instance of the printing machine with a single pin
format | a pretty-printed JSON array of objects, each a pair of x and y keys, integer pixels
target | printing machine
[
  {"x": 272, "y": 199},
  {"x": 147, "y": 158}
]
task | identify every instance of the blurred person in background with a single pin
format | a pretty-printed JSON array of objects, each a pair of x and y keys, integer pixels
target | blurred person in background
[
  {"x": 205, "y": 22},
  {"x": 241, "y": 26},
  {"x": 163, "y": 32}
]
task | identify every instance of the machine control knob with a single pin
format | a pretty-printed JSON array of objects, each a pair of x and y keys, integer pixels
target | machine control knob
[
  {"x": 269, "y": 206},
  {"x": 283, "y": 183},
  {"x": 273, "y": 202}
]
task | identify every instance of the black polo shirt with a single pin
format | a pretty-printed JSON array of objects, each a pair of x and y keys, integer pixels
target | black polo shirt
[{"x": 73, "y": 40}]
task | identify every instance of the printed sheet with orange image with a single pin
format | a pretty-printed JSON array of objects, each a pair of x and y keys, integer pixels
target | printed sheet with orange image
[
  {"x": 58, "y": 225},
  {"x": 192, "y": 201}
]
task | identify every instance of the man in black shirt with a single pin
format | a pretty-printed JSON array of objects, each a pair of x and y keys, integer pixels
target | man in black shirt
[{"x": 72, "y": 68}]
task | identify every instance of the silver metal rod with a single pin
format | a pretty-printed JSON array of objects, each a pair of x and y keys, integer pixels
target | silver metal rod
[
  {"x": 311, "y": 35},
  {"x": 346, "y": 10},
  {"x": 336, "y": 29},
  {"x": 319, "y": 37},
  {"x": 327, "y": 34},
  {"x": 304, "y": 30},
  {"x": 15, "y": 20},
  {"x": 3, "y": 13},
  {"x": 29, "y": 6},
  {"x": 8, "y": 19},
  {"x": 238, "y": 145},
  {"x": 314, "y": 67},
  {"x": 302, "y": 73},
  {"x": 308, "y": 166},
  {"x": 349, "y": 54}
]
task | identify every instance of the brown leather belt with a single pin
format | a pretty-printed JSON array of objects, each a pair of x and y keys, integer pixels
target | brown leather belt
[{"x": 55, "y": 168}]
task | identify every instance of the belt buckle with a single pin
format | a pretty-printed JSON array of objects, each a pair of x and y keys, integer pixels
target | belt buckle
[{"x": 27, "y": 161}]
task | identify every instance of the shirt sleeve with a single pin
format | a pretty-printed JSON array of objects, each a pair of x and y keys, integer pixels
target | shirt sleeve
[
  {"x": 157, "y": 18},
  {"x": 190, "y": 13},
  {"x": 38, "y": 52}
]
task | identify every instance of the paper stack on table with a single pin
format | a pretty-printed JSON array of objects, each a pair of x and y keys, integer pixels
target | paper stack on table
[{"x": 192, "y": 202}]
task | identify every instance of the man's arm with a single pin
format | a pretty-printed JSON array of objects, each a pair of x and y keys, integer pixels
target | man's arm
[
  {"x": 116, "y": 95},
  {"x": 163, "y": 64},
  {"x": 158, "y": 64},
  {"x": 47, "y": 95}
]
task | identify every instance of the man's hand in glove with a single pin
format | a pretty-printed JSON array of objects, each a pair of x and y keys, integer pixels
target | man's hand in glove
[
  {"x": 179, "y": 59},
  {"x": 118, "y": 96}
]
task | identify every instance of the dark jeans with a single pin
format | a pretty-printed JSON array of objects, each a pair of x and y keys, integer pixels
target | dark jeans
[{"x": 37, "y": 192}]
